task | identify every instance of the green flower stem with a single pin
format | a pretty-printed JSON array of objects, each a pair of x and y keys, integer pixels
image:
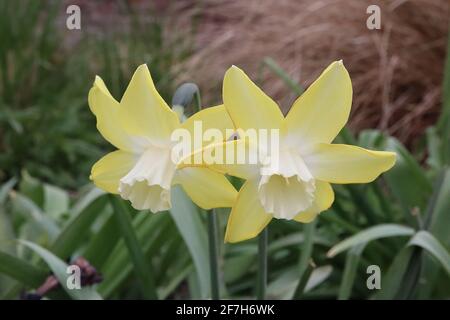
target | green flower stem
[
  {"x": 262, "y": 265},
  {"x": 212, "y": 231},
  {"x": 305, "y": 258},
  {"x": 213, "y": 254}
]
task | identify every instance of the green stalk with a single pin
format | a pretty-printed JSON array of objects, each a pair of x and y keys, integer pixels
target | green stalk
[
  {"x": 262, "y": 264},
  {"x": 305, "y": 257},
  {"x": 213, "y": 254},
  {"x": 212, "y": 233}
]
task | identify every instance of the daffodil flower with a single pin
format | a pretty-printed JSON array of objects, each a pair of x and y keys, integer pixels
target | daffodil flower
[
  {"x": 298, "y": 186},
  {"x": 142, "y": 169}
]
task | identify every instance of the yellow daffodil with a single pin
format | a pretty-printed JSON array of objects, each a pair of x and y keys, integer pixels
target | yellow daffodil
[
  {"x": 297, "y": 186},
  {"x": 143, "y": 170}
]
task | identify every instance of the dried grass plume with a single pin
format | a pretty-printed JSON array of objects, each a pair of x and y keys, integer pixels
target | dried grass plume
[{"x": 396, "y": 71}]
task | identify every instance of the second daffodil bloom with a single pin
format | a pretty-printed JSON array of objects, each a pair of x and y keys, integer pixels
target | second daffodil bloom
[
  {"x": 297, "y": 187},
  {"x": 143, "y": 170}
]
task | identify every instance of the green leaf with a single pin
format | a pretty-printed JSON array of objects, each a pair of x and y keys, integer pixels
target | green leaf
[
  {"x": 6, "y": 232},
  {"x": 143, "y": 270},
  {"x": 350, "y": 269},
  {"x": 192, "y": 230},
  {"x": 73, "y": 234},
  {"x": 361, "y": 201},
  {"x": 283, "y": 286},
  {"x": 407, "y": 180},
  {"x": 436, "y": 222},
  {"x": 435, "y": 148},
  {"x": 318, "y": 276},
  {"x": 152, "y": 233},
  {"x": 392, "y": 280},
  {"x": 440, "y": 215},
  {"x": 444, "y": 120},
  {"x": 32, "y": 189},
  {"x": 59, "y": 269},
  {"x": 370, "y": 139},
  {"x": 21, "y": 270},
  {"x": 427, "y": 241},
  {"x": 6, "y": 189},
  {"x": 295, "y": 239},
  {"x": 174, "y": 282},
  {"x": 31, "y": 212},
  {"x": 370, "y": 234},
  {"x": 276, "y": 69},
  {"x": 102, "y": 243},
  {"x": 237, "y": 266},
  {"x": 56, "y": 201},
  {"x": 303, "y": 281}
]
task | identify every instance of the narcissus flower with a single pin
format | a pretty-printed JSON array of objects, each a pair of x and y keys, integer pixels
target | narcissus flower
[
  {"x": 143, "y": 170},
  {"x": 296, "y": 187}
]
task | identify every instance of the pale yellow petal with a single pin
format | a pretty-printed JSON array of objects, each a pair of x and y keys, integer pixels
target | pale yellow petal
[
  {"x": 215, "y": 118},
  {"x": 340, "y": 163},
  {"x": 107, "y": 172},
  {"x": 323, "y": 199},
  {"x": 106, "y": 110},
  {"x": 143, "y": 111},
  {"x": 234, "y": 157},
  {"x": 247, "y": 218},
  {"x": 249, "y": 107},
  {"x": 306, "y": 216},
  {"x": 208, "y": 189},
  {"x": 322, "y": 110}
]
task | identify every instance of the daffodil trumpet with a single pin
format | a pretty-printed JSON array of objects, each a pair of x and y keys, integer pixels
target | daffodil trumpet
[{"x": 296, "y": 184}]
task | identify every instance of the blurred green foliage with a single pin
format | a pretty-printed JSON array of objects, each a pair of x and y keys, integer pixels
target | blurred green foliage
[{"x": 45, "y": 123}]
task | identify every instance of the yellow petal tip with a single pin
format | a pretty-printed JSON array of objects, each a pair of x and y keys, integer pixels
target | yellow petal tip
[
  {"x": 234, "y": 68},
  {"x": 141, "y": 69},
  {"x": 392, "y": 159},
  {"x": 98, "y": 82},
  {"x": 338, "y": 64}
]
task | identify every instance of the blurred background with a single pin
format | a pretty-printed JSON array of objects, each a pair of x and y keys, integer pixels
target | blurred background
[{"x": 49, "y": 141}]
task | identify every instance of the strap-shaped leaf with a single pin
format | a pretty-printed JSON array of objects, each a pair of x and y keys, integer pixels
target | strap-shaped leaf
[
  {"x": 370, "y": 234},
  {"x": 193, "y": 232},
  {"x": 428, "y": 242},
  {"x": 59, "y": 268}
]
